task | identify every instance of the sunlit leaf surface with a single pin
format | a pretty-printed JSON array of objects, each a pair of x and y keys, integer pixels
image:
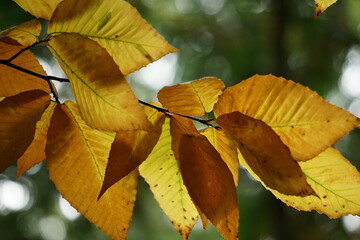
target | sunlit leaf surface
[
  {"x": 335, "y": 181},
  {"x": 105, "y": 98},
  {"x": 76, "y": 158},
  {"x": 322, "y": 5},
  {"x": 194, "y": 98},
  {"x": 18, "y": 117},
  {"x": 162, "y": 173},
  {"x": 39, "y": 8},
  {"x": 305, "y": 122},
  {"x": 116, "y": 26},
  {"x": 206, "y": 176}
]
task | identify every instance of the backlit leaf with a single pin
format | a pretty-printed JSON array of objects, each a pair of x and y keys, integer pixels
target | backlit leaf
[
  {"x": 265, "y": 153},
  {"x": 116, "y": 26},
  {"x": 18, "y": 117},
  {"x": 36, "y": 151},
  {"x": 206, "y": 176},
  {"x": 335, "y": 181},
  {"x": 24, "y": 34},
  {"x": 227, "y": 149},
  {"x": 39, "y": 8},
  {"x": 131, "y": 148},
  {"x": 12, "y": 81},
  {"x": 322, "y": 5},
  {"x": 105, "y": 98},
  {"x": 194, "y": 98},
  {"x": 161, "y": 172},
  {"x": 305, "y": 122},
  {"x": 76, "y": 158}
]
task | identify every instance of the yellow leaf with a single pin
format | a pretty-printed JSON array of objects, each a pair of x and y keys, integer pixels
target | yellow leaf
[
  {"x": 322, "y": 5},
  {"x": 305, "y": 122},
  {"x": 116, "y": 26},
  {"x": 265, "y": 153},
  {"x": 18, "y": 117},
  {"x": 206, "y": 176},
  {"x": 105, "y": 98},
  {"x": 39, "y": 8},
  {"x": 227, "y": 149},
  {"x": 76, "y": 158},
  {"x": 12, "y": 81},
  {"x": 160, "y": 170},
  {"x": 335, "y": 181},
  {"x": 25, "y": 34},
  {"x": 131, "y": 148},
  {"x": 194, "y": 98},
  {"x": 36, "y": 151}
]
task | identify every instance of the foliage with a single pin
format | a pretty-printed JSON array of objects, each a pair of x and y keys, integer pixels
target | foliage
[{"x": 280, "y": 131}]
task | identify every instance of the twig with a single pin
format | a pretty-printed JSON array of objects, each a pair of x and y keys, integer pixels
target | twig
[{"x": 49, "y": 78}]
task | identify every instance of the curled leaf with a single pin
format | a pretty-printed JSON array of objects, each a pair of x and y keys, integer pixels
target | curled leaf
[{"x": 265, "y": 154}]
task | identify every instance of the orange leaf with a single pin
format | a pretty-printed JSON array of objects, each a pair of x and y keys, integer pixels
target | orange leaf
[
  {"x": 227, "y": 149},
  {"x": 76, "y": 158},
  {"x": 105, "y": 98},
  {"x": 266, "y": 154},
  {"x": 305, "y": 122},
  {"x": 116, "y": 26},
  {"x": 18, "y": 117},
  {"x": 194, "y": 98},
  {"x": 131, "y": 148},
  {"x": 322, "y": 5},
  {"x": 206, "y": 176},
  {"x": 12, "y": 81},
  {"x": 39, "y": 8},
  {"x": 36, "y": 151},
  {"x": 24, "y": 34}
]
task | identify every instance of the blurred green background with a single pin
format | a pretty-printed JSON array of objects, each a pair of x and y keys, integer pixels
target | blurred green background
[{"x": 232, "y": 40}]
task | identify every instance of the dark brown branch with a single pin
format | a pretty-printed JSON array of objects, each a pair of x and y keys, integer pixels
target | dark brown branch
[{"x": 49, "y": 78}]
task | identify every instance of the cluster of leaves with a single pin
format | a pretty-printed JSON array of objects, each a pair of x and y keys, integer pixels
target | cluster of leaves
[{"x": 95, "y": 149}]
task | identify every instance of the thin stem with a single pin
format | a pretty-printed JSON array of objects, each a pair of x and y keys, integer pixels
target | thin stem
[{"x": 49, "y": 78}]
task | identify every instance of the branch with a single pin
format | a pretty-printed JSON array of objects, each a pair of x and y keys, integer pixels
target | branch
[{"x": 49, "y": 78}]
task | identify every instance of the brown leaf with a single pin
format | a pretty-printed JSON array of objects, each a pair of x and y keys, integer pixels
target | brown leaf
[
  {"x": 266, "y": 154},
  {"x": 193, "y": 98},
  {"x": 131, "y": 148},
  {"x": 24, "y": 34},
  {"x": 18, "y": 117},
  {"x": 206, "y": 176}
]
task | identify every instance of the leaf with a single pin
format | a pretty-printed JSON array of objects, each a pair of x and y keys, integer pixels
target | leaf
[
  {"x": 322, "y": 5},
  {"x": 227, "y": 149},
  {"x": 12, "y": 81},
  {"x": 131, "y": 148},
  {"x": 105, "y": 99},
  {"x": 194, "y": 98},
  {"x": 305, "y": 122},
  {"x": 335, "y": 181},
  {"x": 206, "y": 176},
  {"x": 39, "y": 8},
  {"x": 265, "y": 153},
  {"x": 24, "y": 34},
  {"x": 76, "y": 158},
  {"x": 161, "y": 172},
  {"x": 18, "y": 117},
  {"x": 35, "y": 153},
  {"x": 116, "y": 26}
]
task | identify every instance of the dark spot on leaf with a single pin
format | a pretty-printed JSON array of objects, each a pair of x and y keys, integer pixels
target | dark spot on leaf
[
  {"x": 156, "y": 185},
  {"x": 325, "y": 205},
  {"x": 193, "y": 219},
  {"x": 343, "y": 206},
  {"x": 185, "y": 217},
  {"x": 184, "y": 209},
  {"x": 161, "y": 169},
  {"x": 169, "y": 185},
  {"x": 328, "y": 121},
  {"x": 324, "y": 196}
]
